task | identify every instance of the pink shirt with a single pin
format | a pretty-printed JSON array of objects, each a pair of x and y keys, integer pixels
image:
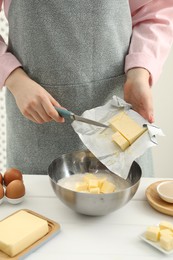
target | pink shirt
[{"x": 151, "y": 40}]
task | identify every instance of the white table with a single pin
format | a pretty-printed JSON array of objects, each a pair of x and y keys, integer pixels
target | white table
[{"x": 111, "y": 237}]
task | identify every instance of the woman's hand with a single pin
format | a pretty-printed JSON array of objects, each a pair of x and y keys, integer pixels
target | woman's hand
[
  {"x": 34, "y": 102},
  {"x": 137, "y": 92}
]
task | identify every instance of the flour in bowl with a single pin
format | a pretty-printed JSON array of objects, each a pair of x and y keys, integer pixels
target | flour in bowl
[{"x": 93, "y": 183}]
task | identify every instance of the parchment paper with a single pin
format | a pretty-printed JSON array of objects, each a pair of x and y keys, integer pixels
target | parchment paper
[{"x": 99, "y": 140}]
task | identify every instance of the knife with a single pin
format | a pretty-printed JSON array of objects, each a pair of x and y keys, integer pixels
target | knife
[{"x": 66, "y": 113}]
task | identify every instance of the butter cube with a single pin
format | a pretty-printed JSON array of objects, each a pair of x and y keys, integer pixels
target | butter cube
[
  {"x": 166, "y": 242},
  {"x": 101, "y": 181},
  {"x": 93, "y": 183},
  {"x": 89, "y": 176},
  {"x": 166, "y": 225},
  {"x": 166, "y": 231},
  {"x": 126, "y": 126},
  {"x": 120, "y": 140},
  {"x": 81, "y": 186},
  {"x": 107, "y": 187},
  {"x": 152, "y": 233},
  {"x": 94, "y": 190},
  {"x": 19, "y": 231}
]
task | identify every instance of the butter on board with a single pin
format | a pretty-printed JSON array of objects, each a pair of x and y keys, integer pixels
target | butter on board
[{"x": 19, "y": 231}]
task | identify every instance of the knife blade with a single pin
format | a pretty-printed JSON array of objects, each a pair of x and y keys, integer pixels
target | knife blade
[{"x": 66, "y": 113}]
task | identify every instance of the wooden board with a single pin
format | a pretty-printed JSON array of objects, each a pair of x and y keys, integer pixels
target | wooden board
[
  {"x": 54, "y": 228},
  {"x": 156, "y": 202}
]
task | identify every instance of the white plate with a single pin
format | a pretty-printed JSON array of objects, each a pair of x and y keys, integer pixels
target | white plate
[{"x": 156, "y": 245}]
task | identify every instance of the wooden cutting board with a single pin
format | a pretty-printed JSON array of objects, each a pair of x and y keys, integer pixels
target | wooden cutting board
[
  {"x": 54, "y": 229},
  {"x": 156, "y": 202}
]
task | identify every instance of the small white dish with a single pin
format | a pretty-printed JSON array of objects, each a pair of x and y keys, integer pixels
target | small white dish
[
  {"x": 155, "y": 245},
  {"x": 15, "y": 201},
  {"x": 165, "y": 191}
]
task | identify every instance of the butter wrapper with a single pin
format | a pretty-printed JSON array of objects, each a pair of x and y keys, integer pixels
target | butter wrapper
[{"x": 99, "y": 140}]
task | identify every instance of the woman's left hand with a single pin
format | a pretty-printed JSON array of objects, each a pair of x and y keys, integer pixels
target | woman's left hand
[{"x": 138, "y": 93}]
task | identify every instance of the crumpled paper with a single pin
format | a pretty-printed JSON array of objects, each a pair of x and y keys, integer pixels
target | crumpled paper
[{"x": 99, "y": 140}]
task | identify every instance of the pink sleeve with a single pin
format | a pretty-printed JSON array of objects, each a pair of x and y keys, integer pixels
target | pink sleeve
[
  {"x": 8, "y": 62},
  {"x": 152, "y": 35}
]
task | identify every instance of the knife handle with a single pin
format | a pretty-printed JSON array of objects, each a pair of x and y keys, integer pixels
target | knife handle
[{"x": 63, "y": 112}]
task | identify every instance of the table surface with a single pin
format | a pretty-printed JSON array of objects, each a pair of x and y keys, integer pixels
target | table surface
[{"x": 111, "y": 237}]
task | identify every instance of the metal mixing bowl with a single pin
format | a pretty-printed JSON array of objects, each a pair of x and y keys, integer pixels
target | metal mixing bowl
[{"x": 86, "y": 203}]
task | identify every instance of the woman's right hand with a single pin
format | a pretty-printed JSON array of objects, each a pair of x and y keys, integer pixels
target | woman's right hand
[
  {"x": 138, "y": 92},
  {"x": 34, "y": 102}
]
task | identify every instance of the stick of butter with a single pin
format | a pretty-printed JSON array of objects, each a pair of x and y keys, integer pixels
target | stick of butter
[
  {"x": 19, "y": 231},
  {"x": 126, "y": 126},
  {"x": 120, "y": 140}
]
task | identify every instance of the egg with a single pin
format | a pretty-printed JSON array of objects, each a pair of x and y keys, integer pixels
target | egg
[
  {"x": 1, "y": 191},
  {"x": 12, "y": 174},
  {"x": 1, "y": 178},
  {"x": 15, "y": 189}
]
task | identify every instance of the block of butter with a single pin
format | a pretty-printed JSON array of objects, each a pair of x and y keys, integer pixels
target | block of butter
[
  {"x": 81, "y": 186},
  {"x": 152, "y": 233},
  {"x": 19, "y": 231},
  {"x": 126, "y": 126},
  {"x": 107, "y": 187},
  {"x": 166, "y": 225},
  {"x": 166, "y": 232},
  {"x": 166, "y": 242},
  {"x": 120, "y": 140}
]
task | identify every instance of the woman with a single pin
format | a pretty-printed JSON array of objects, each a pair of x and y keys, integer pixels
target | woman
[{"x": 74, "y": 54}]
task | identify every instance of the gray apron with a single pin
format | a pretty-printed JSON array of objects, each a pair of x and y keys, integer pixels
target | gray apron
[{"x": 75, "y": 49}]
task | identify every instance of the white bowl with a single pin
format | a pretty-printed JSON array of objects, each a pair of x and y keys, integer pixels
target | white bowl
[
  {"x": 165, "y": 191},
  {"x": 15, "y": 201}
]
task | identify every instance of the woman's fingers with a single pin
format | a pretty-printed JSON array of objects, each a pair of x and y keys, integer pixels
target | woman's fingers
[
  {"x": 138, "y": 93},
  {"x": 43, "y": 113},
  {"x": 49, "y": 108},
  {"x": 144, "y": 107},
  {"x": 34, "y": 102},
  {"x": 30, "y": 117}
]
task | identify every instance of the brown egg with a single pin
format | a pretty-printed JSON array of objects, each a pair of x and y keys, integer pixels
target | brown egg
[
  {"x": 15, "y": 189},
  {"x": 12, "y": 174},
  {"x": 1, "y": 178},
  {"x": 1, "y": 191}
]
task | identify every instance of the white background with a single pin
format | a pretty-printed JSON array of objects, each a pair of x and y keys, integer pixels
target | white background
[{"x": 163, "y": 104}]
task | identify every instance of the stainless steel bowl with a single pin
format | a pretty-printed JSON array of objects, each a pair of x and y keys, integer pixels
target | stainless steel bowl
[{"x": 86, "y": 203}]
